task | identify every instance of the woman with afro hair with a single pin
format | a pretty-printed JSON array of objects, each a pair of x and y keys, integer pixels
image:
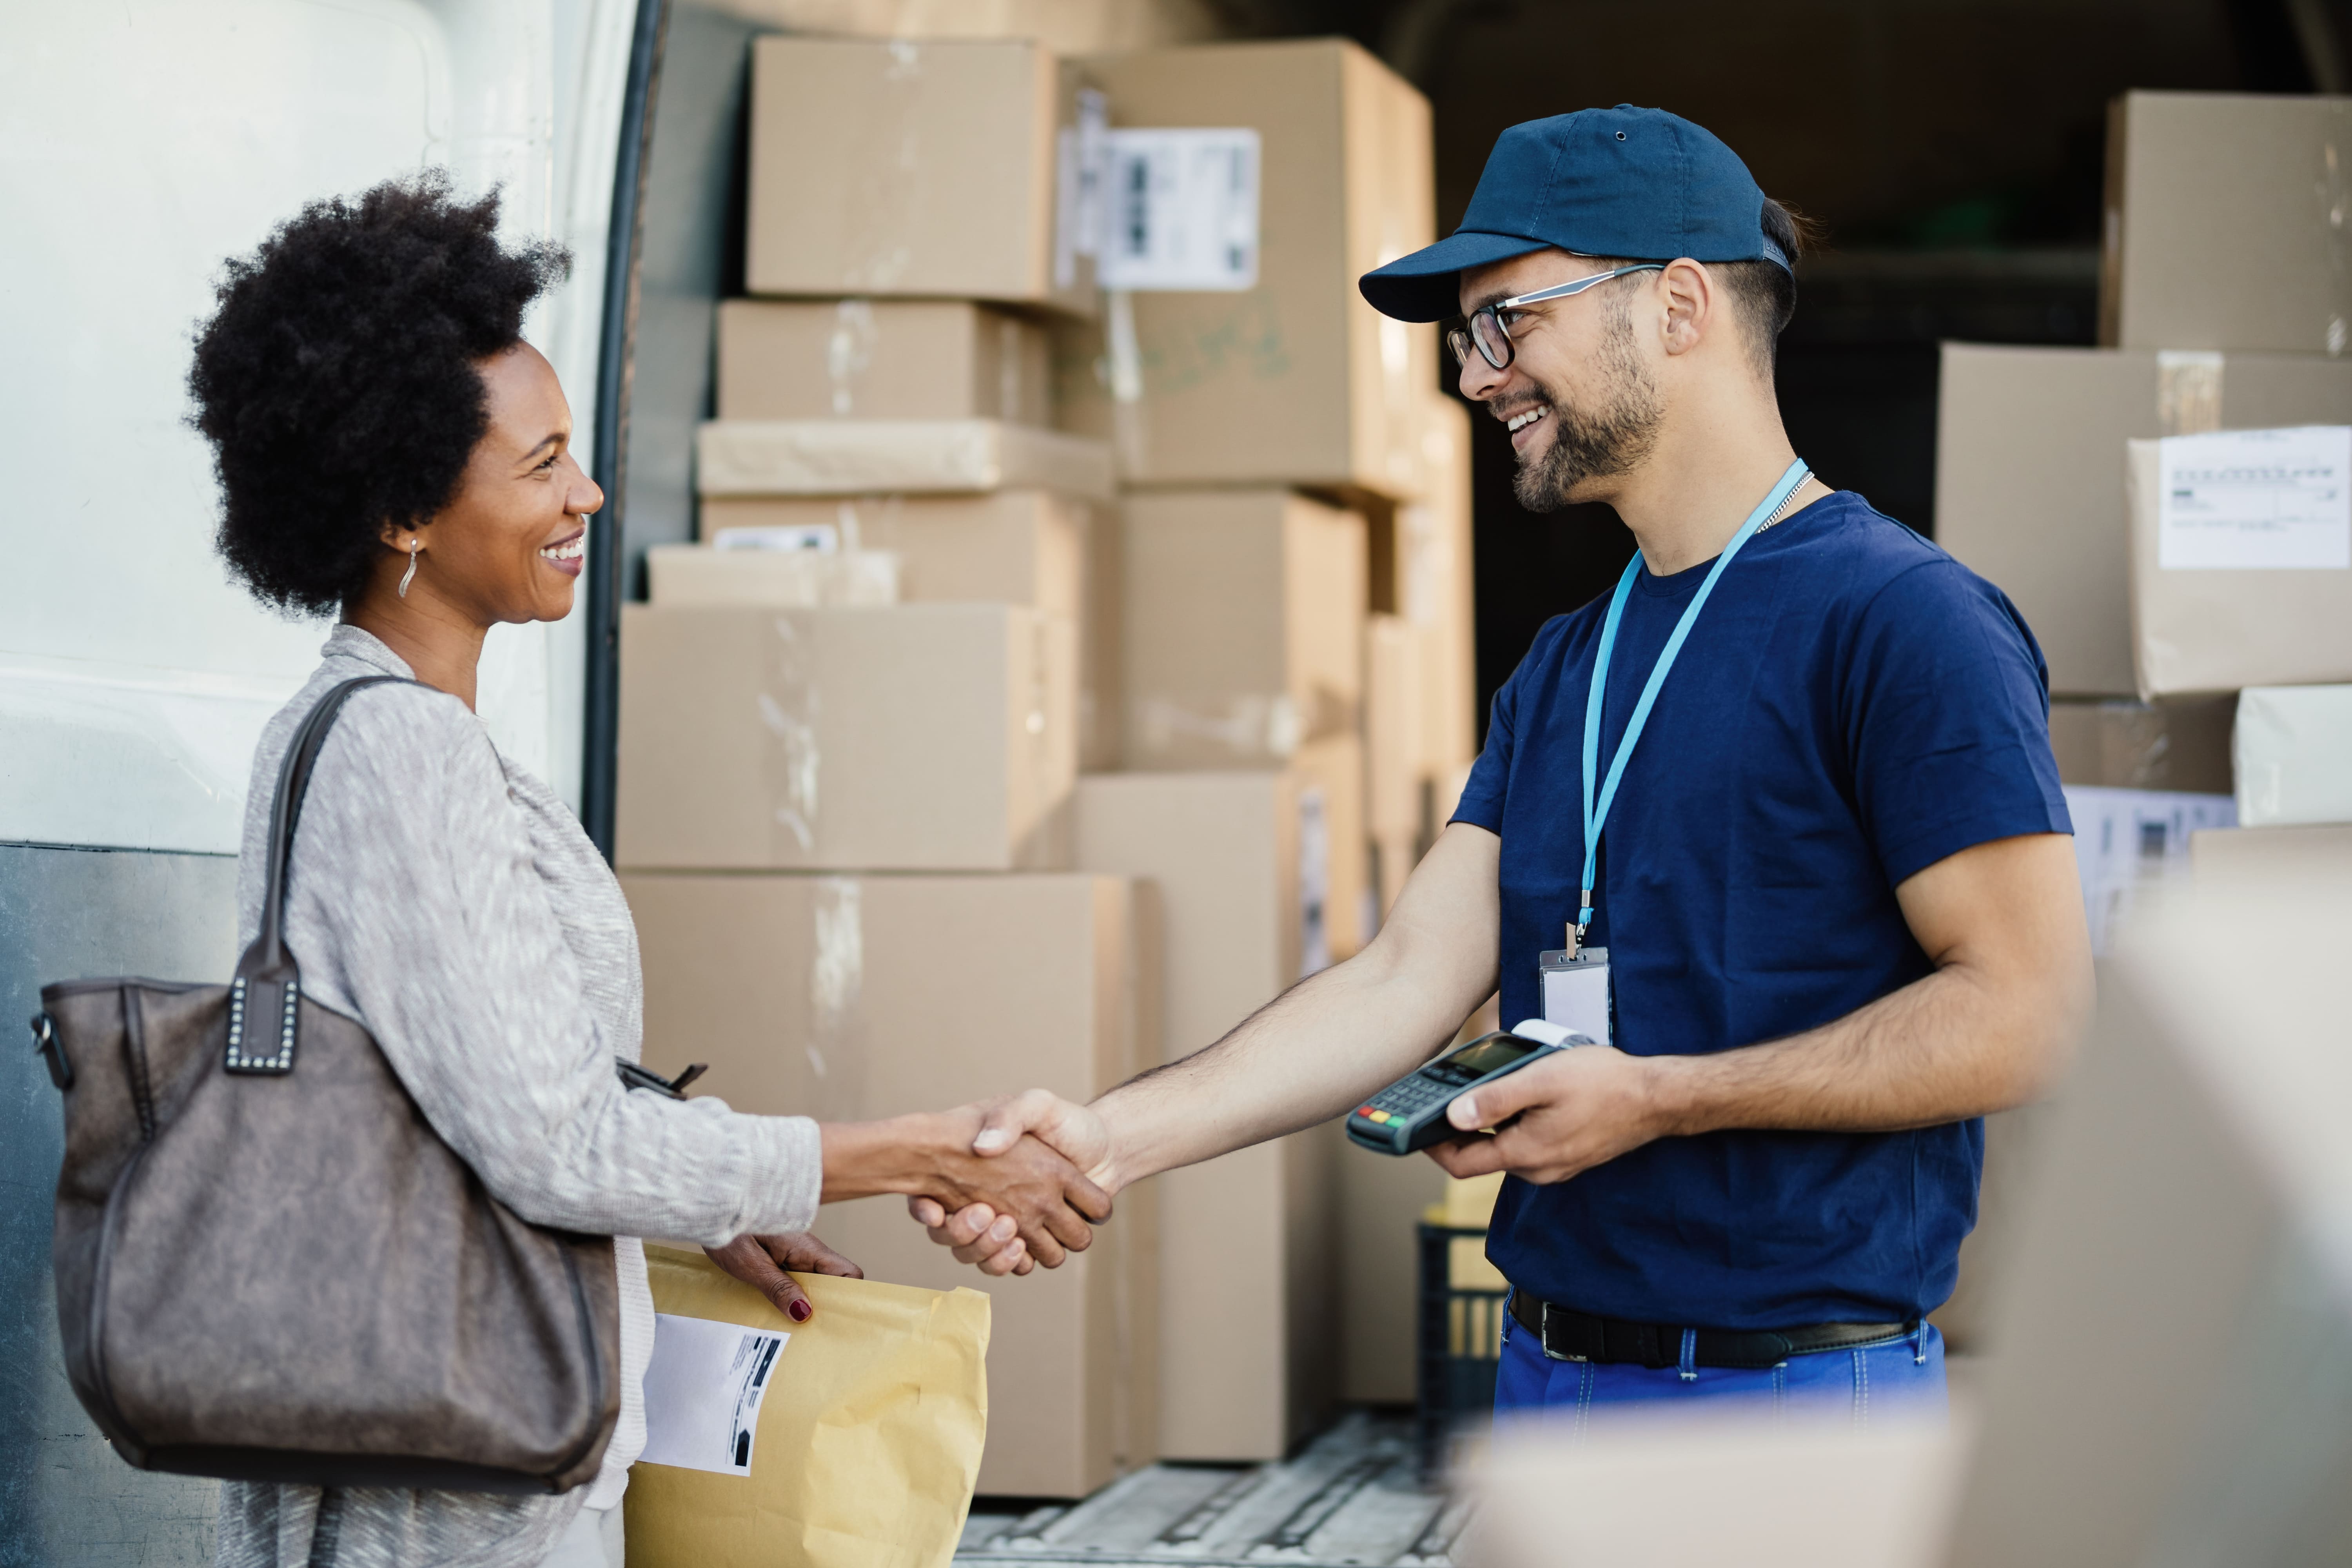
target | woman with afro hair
[{"x": 391, "y": 453}]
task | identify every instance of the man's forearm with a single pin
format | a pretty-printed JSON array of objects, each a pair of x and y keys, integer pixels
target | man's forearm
[
  {"x": 1945, "y": 1048},
  {"x": 1314, "y": 1052}
]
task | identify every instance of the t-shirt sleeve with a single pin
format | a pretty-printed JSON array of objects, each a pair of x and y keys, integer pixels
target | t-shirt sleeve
[
  {"x": 1947, "y": 715},
  {"x": 1481, "y": 805}
]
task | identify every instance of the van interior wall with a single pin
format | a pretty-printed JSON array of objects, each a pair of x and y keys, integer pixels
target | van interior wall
[{"x": 1952, "y": 149}]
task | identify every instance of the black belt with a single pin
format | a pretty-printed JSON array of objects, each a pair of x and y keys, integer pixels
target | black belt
[{"x": 1569, "y": 1335}]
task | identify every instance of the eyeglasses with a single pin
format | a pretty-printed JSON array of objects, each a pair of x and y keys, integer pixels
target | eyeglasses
[{"x": 1484, "y": 325}]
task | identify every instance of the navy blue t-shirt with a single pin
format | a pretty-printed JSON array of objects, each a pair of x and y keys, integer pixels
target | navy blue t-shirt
[{"x": 1852, "y": 706}]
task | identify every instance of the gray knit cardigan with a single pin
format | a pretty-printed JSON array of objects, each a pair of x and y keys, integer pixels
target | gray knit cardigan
[{"x": 449, "y": 901}]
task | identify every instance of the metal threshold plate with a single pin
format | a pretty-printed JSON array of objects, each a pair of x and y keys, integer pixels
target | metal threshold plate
[{"x": 1348, "y": 1497}]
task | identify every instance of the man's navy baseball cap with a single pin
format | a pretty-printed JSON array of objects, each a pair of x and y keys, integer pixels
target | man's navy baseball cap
[{"x": 1638, "y": 183}]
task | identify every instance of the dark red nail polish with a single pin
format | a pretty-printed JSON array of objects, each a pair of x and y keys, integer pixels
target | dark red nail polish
[{"x": 799, "y": 1310}]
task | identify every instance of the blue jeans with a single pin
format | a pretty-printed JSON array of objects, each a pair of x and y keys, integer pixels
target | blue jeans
[{"x": 1903, "y": 1376}]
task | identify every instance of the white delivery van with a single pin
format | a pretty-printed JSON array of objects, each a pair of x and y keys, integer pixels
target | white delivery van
[{"x": 142, "y": 143}]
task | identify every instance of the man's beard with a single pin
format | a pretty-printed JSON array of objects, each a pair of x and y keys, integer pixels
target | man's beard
[{"x": 1611, "y": 440}]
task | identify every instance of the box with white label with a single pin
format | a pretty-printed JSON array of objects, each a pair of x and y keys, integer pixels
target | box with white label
[
  {"x": 1235, "y": 347},
  {"x": 2241, "y": 560},
  {"x": 2029, "y": 473}
]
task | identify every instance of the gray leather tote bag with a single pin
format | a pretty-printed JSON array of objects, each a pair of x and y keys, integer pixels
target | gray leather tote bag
[{"x": 268, "y": 1266}]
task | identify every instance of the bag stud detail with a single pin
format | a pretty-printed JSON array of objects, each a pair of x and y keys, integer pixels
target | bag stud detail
[{"x": 238, "y": 1060}]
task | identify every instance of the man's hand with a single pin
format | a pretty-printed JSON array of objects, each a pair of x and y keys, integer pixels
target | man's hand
[
  {"x": 1049, "y": 1201},
  {"x": 1556, "y": 1117},
  {"x": 976, "y": 1232},
  {"x": 760, "y": 1261}
]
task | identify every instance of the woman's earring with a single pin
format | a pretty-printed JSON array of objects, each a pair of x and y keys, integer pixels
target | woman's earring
[{"x": 410, "y": 576}]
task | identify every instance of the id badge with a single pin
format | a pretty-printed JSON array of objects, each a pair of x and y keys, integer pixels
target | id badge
[{"x": 1576, "y": 990}]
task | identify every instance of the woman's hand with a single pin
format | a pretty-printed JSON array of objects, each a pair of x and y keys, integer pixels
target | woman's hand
[
  {"x": 760, "y": 1261},
  {"x": 976, "y": 1232},
  {"x": 1053, "y": 1204}
]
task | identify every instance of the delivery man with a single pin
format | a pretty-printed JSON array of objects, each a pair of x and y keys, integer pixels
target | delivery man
[{"x": 1783, "y": 803}]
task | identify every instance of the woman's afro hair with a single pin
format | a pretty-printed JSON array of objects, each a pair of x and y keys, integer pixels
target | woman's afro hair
[{"x": 337, "y": 384}]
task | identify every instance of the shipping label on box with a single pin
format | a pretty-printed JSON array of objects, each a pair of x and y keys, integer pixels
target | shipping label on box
[
  {"x": 1181, "y": 212},
  {"x": 2256, "y": 500},
  {"x": 2127, "y": 841},
  {"x": 2245, "y": 609}
]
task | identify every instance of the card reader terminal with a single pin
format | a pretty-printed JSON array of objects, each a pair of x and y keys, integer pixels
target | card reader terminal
[{"x": 1410, "y": 1114}]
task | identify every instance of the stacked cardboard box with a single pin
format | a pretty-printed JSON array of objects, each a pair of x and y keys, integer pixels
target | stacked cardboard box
[
  {"x": 2163, "y": 564},
  {"x": 851, "y": 997},
  {"x": 1295, "y": 546},
  {"x": 878, "y": 673}
]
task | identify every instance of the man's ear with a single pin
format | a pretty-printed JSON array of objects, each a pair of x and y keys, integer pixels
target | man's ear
[{"x": 1688, "y": 291}]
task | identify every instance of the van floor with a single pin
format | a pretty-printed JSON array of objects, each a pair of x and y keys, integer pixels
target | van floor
[{"x": 1351, "y": 1497}]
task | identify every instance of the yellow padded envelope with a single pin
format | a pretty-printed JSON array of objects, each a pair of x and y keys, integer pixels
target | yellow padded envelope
[{"x": 868, "y": 1438}]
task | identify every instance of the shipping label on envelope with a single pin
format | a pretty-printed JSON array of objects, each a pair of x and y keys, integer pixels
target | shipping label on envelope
[
  {"x": 703, "y": 1389},
  {"x": 2261, "y": 500}
]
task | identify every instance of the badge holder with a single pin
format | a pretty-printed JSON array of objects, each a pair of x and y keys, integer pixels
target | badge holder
[{"x": 1575, "y": 990}]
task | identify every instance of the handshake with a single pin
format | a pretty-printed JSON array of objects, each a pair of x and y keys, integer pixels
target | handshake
[{"x": 1008, "y": 1183}]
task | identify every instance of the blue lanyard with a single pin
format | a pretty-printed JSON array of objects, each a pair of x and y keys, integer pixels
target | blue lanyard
[{"x": 1594, "y": 816}]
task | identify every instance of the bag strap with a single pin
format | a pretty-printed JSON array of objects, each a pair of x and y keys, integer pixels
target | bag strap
[{"x": 268, "y": 974}]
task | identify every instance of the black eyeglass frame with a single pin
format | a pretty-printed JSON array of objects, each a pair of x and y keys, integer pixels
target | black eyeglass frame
[{"x": 1461, "y": 339}]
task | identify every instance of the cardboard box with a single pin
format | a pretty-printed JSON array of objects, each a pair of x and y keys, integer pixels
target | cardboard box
[
  {"x": 2268, "y": 856},
  {"x": 678, "y": 575},
  {"x": 1296, "y": 380},
  {"x": 2029, "y": 474},
  {"x": 1394, "y": 662},
  {"x": 1335, "y": 849},
  {"x": 885, "y": 456},
  {"x": 854, "y": 997},
  {"x": 1381, "y": 1200},
  {"x": 904, "y": 167},
  {"x": 1436, "y": 589},
  {"x": 1248, "y": 1360},
  {"x": 2225, "y": 222},
  {"x": 1058, "y": 554},
  {"x": 2210, "y": 631},
  {"x": 920, "y": 738},
  {"x": 2134, "y": 745},
  {"x": 2189, "y": 1195},
  {"x": 1394, "y": 855},
  {"x": 2293, "y": 755},
  {"x": 1243, "y": 623},
  {"x": 881, "y": 359}
]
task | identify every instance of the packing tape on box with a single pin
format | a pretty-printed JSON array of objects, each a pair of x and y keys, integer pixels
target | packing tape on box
[
  {"x": 2187, "y": 392},
  {"x": 868, "y": 456},
  {"x": 734, "y": 571},
  {"x": 883, "y": 215},
  {"x": 849, "y": 353},
  {"x": 788, "y": 712},
  {"x": 836, "y": 1032}
]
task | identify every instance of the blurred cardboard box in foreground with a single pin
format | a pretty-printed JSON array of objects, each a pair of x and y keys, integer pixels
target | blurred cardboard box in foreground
[
  {"x": 2225, "y": 222},
  {"x": 2030, "y": 471},
  {"x": 881, "y": 359},
  {"x": 922, "y": 738},
  {"x": 855, "y": 997},
  {"x": 900, "y": 167},
  {"x": 1248, "y": 1359}
]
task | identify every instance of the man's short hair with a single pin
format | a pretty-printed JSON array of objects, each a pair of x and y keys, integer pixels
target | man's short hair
[{"x": 1766, "y": 295}]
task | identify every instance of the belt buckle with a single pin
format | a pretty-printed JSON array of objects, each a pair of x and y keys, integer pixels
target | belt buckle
[{"x": 1543, "y": 1338}]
